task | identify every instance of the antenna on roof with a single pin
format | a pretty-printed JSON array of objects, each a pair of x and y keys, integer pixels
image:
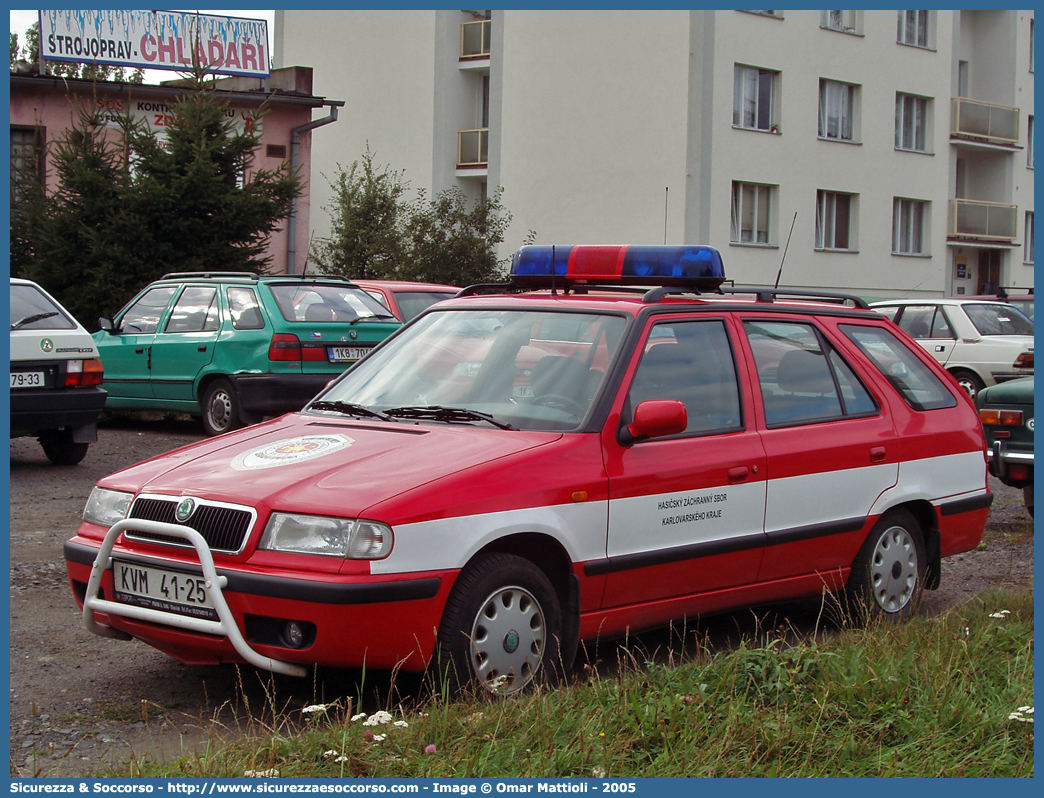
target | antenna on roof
[
  {"x": 780, "y": 272},
  {"x": 304, "y": 268},
  {"x": 665, "y": 190},
  {"x": 553, "y": 291}
]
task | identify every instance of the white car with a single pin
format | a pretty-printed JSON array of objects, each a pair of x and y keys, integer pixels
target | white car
[
  {"x": 55, "y": 374},
  {"x": 979, "y": 342}
]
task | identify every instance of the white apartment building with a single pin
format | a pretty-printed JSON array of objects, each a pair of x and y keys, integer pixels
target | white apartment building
[{"x": 889, "y": 153}]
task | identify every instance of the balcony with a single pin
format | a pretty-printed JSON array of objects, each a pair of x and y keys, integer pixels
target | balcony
[
  {"x": 473, "y": 149},
  {"x": 974, "y": 119},
  {"x": 985, "y": 221},
  {"x": 474, "y": 40}
]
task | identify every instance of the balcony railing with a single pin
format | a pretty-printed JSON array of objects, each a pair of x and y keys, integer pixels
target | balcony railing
[
  {"x": 474, "y": 40},
  {"x": 999, "y": 123},
  {"x": 473, "y": 148},
  {"x": 985, "y": 220}
]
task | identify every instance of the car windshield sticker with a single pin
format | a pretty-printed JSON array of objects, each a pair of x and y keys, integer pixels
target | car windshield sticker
[{"x": 290, "y": 451}]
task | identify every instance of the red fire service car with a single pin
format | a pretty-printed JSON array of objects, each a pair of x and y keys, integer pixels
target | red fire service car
[{"x": 568, "y": 458}]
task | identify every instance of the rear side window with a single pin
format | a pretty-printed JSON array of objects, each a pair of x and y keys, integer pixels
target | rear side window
[
  {"x": 691, "y": 362},
  {"x": 915, "y": 382},
  {"x": 245, "y": 311},
  {"x": 802, "y": 379}
]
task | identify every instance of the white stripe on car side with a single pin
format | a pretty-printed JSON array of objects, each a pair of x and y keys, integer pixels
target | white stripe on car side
[{"x": 581, "y": 528}]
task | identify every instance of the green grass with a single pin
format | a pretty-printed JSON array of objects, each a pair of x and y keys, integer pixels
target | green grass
[{"x": 927, "y": 698}]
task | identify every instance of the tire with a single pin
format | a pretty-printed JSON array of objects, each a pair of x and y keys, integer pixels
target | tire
[
  {"x": 970, "y": 381},
  {"x": 502, "y": 627},
  {"x": 888, "y": 573},
  {"x": 221, "y": 410},
  {"x": 61, "y": 449}
]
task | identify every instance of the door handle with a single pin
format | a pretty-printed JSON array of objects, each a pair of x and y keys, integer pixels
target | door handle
[
  {"x": 738, "y": 474},
  {"x": 139, "y": 350},
  {"x": 877, "y": 454},
  {"x": 201, "y": 348}
]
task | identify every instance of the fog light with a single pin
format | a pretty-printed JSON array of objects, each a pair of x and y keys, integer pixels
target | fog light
[{"x": 293, "y": 634}]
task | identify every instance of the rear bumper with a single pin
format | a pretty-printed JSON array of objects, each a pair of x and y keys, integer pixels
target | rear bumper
[
  {"x": 37, "y": 411},
  {"x": 1001, "y": 458},
  {"x": 275, "y": 394},
  {"x": 1006, "y": 376}
]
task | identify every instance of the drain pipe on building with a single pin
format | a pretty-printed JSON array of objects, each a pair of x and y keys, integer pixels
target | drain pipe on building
[{"x": 295, "y": 146}]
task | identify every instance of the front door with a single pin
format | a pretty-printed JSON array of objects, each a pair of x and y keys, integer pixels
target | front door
[{"x": 126, "y": 353}]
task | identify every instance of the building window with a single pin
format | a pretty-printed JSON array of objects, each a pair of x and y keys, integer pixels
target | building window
[
  {"x": 911, "y": 123},
  {"x": 751, "y": 213},
  {"x": 1028, "y": 256},
  {"x": 753, "y": 98},
  {"x": 844, "y": 21},
  {"x": 1029, "y": 143},
  {"x": 836, "y": 110},
  {"x": 913, "y": 28},
  {"x": 26, "y": 160},
  {"x": 909, "y": 219},
  {"x": 834, "y": 220}
]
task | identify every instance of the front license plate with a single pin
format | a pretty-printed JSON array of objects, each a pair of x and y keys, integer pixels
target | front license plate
[
  {"x": 27, "y": 379},
  {"x": 169, "y": 591},
  {"x": 339, "y": 354}
]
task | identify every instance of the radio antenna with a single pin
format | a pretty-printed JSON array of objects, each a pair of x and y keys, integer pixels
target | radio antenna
[
  {"x": 665, "y": 190},
  {"x": 780, "y": 272},
  {"x": 553, "y": 291}
]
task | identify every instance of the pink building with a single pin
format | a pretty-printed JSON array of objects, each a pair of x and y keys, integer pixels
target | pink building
[{"x": 43, "y": 107}]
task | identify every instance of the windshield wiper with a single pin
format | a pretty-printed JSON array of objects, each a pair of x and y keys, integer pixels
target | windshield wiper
[
  {"x": 31, "y": 319},
  {"x": 371, "y": 317},
  {"x": 451, "y": 415},
  {"x": 348, "y": 409}
]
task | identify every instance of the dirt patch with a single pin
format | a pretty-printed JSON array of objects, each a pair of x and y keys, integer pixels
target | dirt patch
[{"x": 79, "y": 701}]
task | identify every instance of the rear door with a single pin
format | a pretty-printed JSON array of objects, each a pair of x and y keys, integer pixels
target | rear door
[
  {"x": 686, "y": 512},
  {"x": 830, "y": 445},
  {"x": 929, "y": 326},
  {"x": 184, "y": 345}
]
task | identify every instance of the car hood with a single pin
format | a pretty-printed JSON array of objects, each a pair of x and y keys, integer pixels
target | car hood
[{"x": 322, "y": 466}]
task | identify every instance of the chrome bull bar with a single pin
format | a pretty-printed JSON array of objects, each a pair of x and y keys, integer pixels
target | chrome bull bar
[{"x": 225, "y": 625}]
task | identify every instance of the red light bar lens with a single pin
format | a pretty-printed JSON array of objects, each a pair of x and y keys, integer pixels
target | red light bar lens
[{"x": 690, "y": 266}]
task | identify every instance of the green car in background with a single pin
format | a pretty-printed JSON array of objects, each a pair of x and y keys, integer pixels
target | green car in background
[
  {"x": 234, "y": 347},
  {"x": 1006, "y": 412}
]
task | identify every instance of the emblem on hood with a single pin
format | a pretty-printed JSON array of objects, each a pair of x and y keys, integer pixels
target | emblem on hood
[
  {"x": 183, "y": 512},
  {"x": 290, "y": 451}
]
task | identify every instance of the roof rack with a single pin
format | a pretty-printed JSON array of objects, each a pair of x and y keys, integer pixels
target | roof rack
[
  {"x": 207, "y": 275},
  {"x": 762, "y": 294}
]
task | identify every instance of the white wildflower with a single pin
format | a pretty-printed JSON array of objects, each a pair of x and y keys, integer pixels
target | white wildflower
[
  {"x": 341, "y": 759},
  {"x": 329, "y": 753},
  {"x": 598, "y": 773},
  {"x": 1000, "y": 614},
  {"x": 401, "y": 723},
  {"x": 272, "y": 773},
  {"x": 380, "y": 738},
  {"x": 1022, "y": 715},
  {"x": 356, "y": 717},
  {"x": 378, "y": 719},
  {"x": 308, "y": 710}
]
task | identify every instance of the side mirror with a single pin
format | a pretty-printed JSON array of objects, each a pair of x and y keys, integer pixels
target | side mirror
[
  {"x": 655, "y": 418},
  {"x": 106, "y": 323}
]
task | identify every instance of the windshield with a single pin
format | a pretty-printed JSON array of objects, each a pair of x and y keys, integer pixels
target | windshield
[
  {"x": 312, "y": 302},
  {"x": 32, "y": 310},
  {"x": 998, "y": 319},
  {"x": 533, "y": 370}
]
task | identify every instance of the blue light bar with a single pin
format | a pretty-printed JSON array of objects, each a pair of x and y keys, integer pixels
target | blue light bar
[{"x": 692, "y": 266}]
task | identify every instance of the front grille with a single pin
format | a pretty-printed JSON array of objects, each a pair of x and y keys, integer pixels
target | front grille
[{"x": 224, "y": 527}]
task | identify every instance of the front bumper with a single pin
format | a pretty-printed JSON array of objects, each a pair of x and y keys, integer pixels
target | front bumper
[
  {"x": 36, "y": 411},
  {"x": 356, "y": 621},
  {"x": 275, "y": 394}
]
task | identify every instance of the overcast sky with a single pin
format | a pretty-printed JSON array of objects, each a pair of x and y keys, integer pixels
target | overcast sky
[{"x": 21, "y": 21}]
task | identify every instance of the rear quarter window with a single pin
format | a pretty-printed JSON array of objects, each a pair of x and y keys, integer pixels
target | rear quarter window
[{"x": 915, "y": 382}]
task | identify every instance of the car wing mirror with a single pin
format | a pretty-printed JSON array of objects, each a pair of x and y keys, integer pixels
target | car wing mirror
[
  {"x": 655, "y": 418},
  {"x": 106, "y": 323}
]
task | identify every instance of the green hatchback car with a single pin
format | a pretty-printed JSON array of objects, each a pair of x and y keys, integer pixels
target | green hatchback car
[
  {"x": 1006, "y": 412},
  {"x": 234, "y": 347}
]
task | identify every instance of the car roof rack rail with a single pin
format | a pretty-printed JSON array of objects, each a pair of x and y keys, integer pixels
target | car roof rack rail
[
  {"x": 765, "y": 294},
  {"x": 207, "y": 275}
]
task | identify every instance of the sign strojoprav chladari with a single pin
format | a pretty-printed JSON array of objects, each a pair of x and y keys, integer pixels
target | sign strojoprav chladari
[{"x": 156, "y": 40}]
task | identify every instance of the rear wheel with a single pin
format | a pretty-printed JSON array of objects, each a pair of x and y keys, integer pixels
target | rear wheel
[
  {"x": 221, "y": 410},
  {"x": 888, "y": 573},
  {"x": 970, "y": 381},
  {"x": 502, "y": 626},
  {"x": 61, "y": 449}
]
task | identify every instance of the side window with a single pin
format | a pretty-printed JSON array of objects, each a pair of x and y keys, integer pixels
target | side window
[
  {"x": 941, "y": 325},
  {"x": 800, "y": 383},
  {"x": 693, "y": 363},
  {"x": 243, "y": 306},
  {"x": 915, "y": 382},
  {"x": 144, "y": 315},
  {"x": 916, "y": 321},
  {"x": 888, "y": 312},
  {"x": 195, "y": 311}
]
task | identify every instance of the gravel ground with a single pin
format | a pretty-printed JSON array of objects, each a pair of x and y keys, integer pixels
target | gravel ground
[{"x": 79, "y": 702}]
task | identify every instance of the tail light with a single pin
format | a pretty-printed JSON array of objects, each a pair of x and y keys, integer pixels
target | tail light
[
  {"x": 1023, "y": 361},
  {"x": 83, "y": 373},
  {"x": 315, "y": 352},
  {"x": 284, "y": 346},
  {"x": 1001, "y": 418}
]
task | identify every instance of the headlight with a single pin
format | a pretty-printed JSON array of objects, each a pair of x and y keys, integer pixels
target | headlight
[
  {"x": 330, "y": 537},
  {"x": 106, "y": 507}
]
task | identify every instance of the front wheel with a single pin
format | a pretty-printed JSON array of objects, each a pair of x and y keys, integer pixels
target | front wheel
[
  {"x": 221, "y": 410},
  {"x": 888, "y": 573},
  {"x": 970, "y": 381},
  {"x": 502, "y": 626}
]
